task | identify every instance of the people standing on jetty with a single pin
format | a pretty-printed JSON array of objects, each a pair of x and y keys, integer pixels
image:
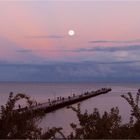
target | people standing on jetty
[
  {"x": 63, "y": 98},
  {"x": 73, "y": 95},
  {"x": 62, "y": 101},
  {"x": 19, "y": 106},
  {"x": 49, "y": 100}
]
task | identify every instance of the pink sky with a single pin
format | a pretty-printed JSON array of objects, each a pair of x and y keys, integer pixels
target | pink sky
[{"x": 40, "y": 28}]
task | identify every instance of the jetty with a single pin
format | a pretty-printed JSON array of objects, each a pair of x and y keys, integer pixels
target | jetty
[{"x": 61, "y": 102}]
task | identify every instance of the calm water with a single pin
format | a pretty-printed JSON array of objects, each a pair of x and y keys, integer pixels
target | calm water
[{"x": 63, "y": 117}]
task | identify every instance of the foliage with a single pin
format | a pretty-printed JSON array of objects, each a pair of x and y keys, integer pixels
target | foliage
[
  {"x": 109, "y": 125},
  {"x": 135, "y": 114},
  {"x": 53, "y": 133},
  {"x": 15, "y": 124},
  {"x": 95, "y": 125},
  {"x": 22, "y": 124}
]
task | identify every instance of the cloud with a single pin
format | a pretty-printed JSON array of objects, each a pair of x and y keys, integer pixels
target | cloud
[
  {"x": 24, "y": 51},
  {"x": 55, "y": 36},
  {"x": 73, "y": 72},
  {"x": 3, "y": 62},
  {"x": 45, "y": 36},
  {"x": 110, "y": 48},
  {"x": 113, "y": 62},
  {"x": 113, "y": 41},
  {"x": 102, "y": 49}
]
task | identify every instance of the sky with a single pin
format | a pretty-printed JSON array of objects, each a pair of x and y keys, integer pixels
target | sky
[{"x": 35, "y": 45}]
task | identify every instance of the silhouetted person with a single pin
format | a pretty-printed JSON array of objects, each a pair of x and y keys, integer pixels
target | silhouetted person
[{"x": 19, "y": 106}]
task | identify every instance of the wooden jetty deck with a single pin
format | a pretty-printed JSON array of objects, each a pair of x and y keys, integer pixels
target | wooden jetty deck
[{"x": 63, "y": 102}]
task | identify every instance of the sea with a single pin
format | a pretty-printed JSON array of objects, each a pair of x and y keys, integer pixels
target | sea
[{"x": 41, "y": 92}]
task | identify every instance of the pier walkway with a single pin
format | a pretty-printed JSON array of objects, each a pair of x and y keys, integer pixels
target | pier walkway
[{"x": 63, "y": 102}]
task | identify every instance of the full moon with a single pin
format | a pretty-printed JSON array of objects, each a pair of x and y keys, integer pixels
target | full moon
[{"x": 71, "y": 32}]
